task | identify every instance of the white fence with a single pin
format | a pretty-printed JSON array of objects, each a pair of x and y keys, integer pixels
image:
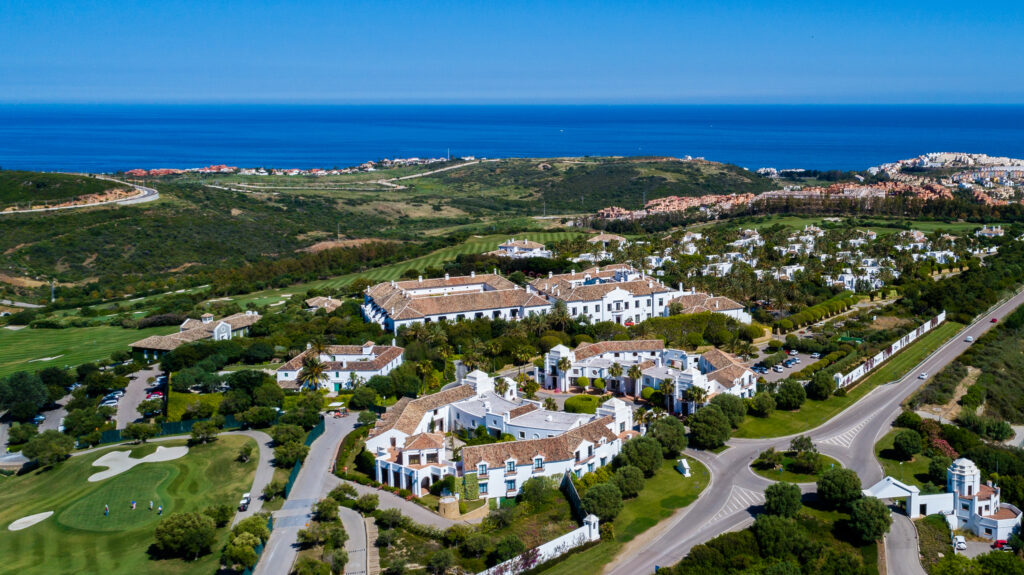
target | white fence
[
  {"x": 880, "y": 358},
  {"x": 548, "y": 551}
]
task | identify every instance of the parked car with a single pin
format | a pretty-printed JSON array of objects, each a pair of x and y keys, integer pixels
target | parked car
[
  {"x": 793, "y": 352},
  {"x": 969, "y": 338},
  {"x": 959, "y": 542},
  {"x": 38, "y": 419},
  {"x": 994, "y": 320},
  {"x": 244, "y": 503},
  {"x": 815, "y": 355},
  {"x": 999, "y": 544},
  {"x": 778, "y": 368},
  {"x": 924, "y": 375},
  {"x": 109, "y": 403},
  {"x": 154, "y": 396},
  {"x": 114, "y": 395}
]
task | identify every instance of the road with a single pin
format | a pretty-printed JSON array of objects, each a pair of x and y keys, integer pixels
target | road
[
  {"x": 264, "y": 473},
  {"x": 356, "y": 544},
  {"x": 134, "y": 394},
  {"x": 902, "y": 551},
  {"x": 733, "y": 497},
  {"x": 310, "y": 486},
  {"x": 145, "y": 195},
  {"x": 20, "y": 304}
]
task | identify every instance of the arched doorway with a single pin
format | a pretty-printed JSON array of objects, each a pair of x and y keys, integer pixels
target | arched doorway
[{"x": 425, "y": 484}]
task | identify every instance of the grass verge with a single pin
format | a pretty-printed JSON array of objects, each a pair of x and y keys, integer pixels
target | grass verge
[
  {"x": 793, "y": 477},
  {"x": 913, "y": 472}
]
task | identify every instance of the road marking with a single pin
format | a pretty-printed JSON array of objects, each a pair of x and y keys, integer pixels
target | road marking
[{"x": 740, "y": 498}]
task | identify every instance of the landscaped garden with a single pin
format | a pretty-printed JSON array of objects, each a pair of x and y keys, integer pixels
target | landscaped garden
[
  {"x": 80, "y": 537},
  {"x": 800, "y": 464}
]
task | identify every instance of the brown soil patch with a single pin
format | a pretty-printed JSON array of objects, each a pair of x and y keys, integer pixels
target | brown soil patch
[
  {"x": 88, "y": 261},
  {"x": 236, "y": 212},
  {"x": 15, "y": 248},
  {"x": 183, "y": 267},
  {"x": 21, "y": 282},
  {"x": 332, "y": 244},
  {"x": 951, "y": 409},
  {"x": 888, "y": 322}
]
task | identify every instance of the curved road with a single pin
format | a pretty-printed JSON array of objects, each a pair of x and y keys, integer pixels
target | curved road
[
  {"x": 735, "y": 493},
  {"x": 145, "y": 195}
]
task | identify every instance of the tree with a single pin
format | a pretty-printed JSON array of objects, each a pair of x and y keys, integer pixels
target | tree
[
  {"x": 778, "y": 536},
  {"x": 367, "y": 418},
  {"x": 313, "y": 372},
  {"x": 563, "y": 364},
  {"x": 603, "y": 500},
  {"x": 274, "y": 489},
  {"x": 550, "y": 404},
  {"x": 937, "y": 468},
  {"x": 475, "y": 545},
  {"x": 185, "y": 534},
  {"x": 221, "y": 514},
  {"x": 363, "y": 398},
  {"x": 140, "y": 431},
  {"x": 307, "y": 565},
  {"x": 907, "y": 444},
  {"x": 509, "y": 547},
  {"x": 285, "y": 433},
  {"x": 769, "y": 459},
  {"x": 598, "y": 384},
  {"x": 241, "y": 551},
  {"x": 839, "y": 487},
  {"x": 709, "y": 427},
  {"x": 150, "y": 406},
  {"x": 20, "y": 433},
  {"x": 1001, "y": 563},
  {"x": 440, "y": 562},
  {"x": 791, "y": 395},
  {"x": 244, "y": 453},
  {"x": 762, "y": 404},
  {"x": 634, "y": 375},
  {"x": 325, "y": 510},
  {"x": 254, "y": 524},
  {"x": 802, "y": 443},
  {"x": 204, "y": 432},
  {"x": 671, "y": 434},
  {"x": 733, "y": 407},
  {"x": 258, "y": 416},
  {"x": 643, "y": 453},
  {"x": 955, "y": 564},
  {"x": 288, "y": 454},
  {"x": 22, "y": 394},
  {"x": 820, "y": 386},
  {"x": 869, "y": 518},
  {"x": 630, "y": 480},
  {"x": 782, "y": 499},
  {"x": 390, "y": 518},
  {"x": 48, "y": 448},
  {"x": 366, "y": 504},
  {"x": 616, "y": 372}
]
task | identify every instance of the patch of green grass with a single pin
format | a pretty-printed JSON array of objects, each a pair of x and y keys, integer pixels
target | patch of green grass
[
  {"x": 142, "y": 451},
  {"x": 79, "y": 538},
  {"x": 177, "y": 402},
  {"x": 814, "y": 413},
  {"x": 663, "y": 494},
  {"x": 280, "y": 474},
  {"x": 785, "y": 474},
  {"x": 68, "y": 347},
  {"x": 933, "y": 537},
  {"x": 913, "y": 472}
]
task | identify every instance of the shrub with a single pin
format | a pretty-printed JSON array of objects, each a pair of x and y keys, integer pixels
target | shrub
[
  {"x": 907, "y": 444},
  {"x": 630, "y": 480},
  {"x": 646, "y": 393},
  {"x": 734, "y": 408},
  {"x": 221, "y": 514},
  {"x": 709, "y": 427},
  {"x": 581, "y": 404},
  {"x": 782, "y": 499},
  {"x": 366, "y": 504},
  {"x": 643, "y": 453},
  {"x": 909, "y": 420},
  {"x": 362, "y": 398},
  {"x": 762, "y": 404},
  {"x": 869, "y": 518},
  {"x": 603, "y": 500},
  {"x": 838, "y": 488},
  {"x": 671, "y": 434},
  {"x": 289, "y": 454},
  {"x": 185, "y": 534},
  {"x": 791, "y": 395},
  {"x": 475, "y": 545},
  {"x": 507, "y": 548}
]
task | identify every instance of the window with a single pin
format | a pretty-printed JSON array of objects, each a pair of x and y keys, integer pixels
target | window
[
  {"x": 510, "y": 466},
  {"x": 573, "y": 311},
  {"x": 661, "y": 302},
  {"x": 965, "y": 506},
  {"x": 590, "y": 451},
  {"x": 590, "y": 467},
  {"x": 522, "y": 435},
  {"x": 483, "y": 489},
  {"x": 510, "y": 485},
  {"x": 538, "y": 463},
  {"x": 481, "y": 469},
  {"x": 585, "y": 310}
]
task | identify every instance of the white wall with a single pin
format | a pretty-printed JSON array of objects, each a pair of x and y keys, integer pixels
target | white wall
[{"x": 548, "y": 551}]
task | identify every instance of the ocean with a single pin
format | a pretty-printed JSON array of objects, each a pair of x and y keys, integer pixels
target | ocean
[{"x": 106, "y": 138}]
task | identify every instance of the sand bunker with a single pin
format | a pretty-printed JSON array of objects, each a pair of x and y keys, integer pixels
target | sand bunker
[
  {"x": 118, "y": 462},
  {"x": 47, "y": 358},
  {"x": 29, "y": 521}
]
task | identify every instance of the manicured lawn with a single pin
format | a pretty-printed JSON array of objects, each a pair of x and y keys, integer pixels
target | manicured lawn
[
  {"x": 813, "y": 413},
  {"x": 67, "y": 347},
  {"x": 78, "y": 538},
  {"x": 662, "y": 496},
  {"x": 177, "y": 402},
  {"x": 792, "y": 477},
  {"x": 913, "y": 472}
]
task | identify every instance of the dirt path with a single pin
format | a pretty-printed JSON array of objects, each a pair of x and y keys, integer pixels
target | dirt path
[{"x": 950, "y": 410}]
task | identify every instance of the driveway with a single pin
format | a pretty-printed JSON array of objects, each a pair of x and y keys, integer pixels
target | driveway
[
  {"x": 356, "y": 544},
  {"x": 902, "y": 550},
  {"x": 264, "y": 473},
  {"x": 134, "y": 394}
]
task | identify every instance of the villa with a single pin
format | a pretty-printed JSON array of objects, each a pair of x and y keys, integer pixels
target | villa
[
  {"x": 411, "y": 451},
  {"x": 698, "y": 302},
  {"x": 328, "y": 304},
  {"x": 617, "y": 293},
  {"x": 191, "y": 329},
  {"x": 519, "y": 249},
  {"x": 344, "y": 365}
]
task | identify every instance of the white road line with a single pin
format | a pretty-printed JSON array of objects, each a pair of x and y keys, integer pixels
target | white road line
[{"x": 740, "y": 498}]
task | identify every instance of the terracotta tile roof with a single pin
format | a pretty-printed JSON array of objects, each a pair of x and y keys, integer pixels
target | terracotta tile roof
[
  {"x": 700, "y": 302},
  {"x": 424, "y": 441},
  {"x": 320, "y": 302},
  {"x": 587, "y": 350},
  {"x": 727, "y": 368},
  {"x": 401, "y": 301},
  {"x": 525, "y": 244},
  {"x": 559, "y": 448},
  {"x": 522, "y": 410},
  {"x": 984, "y": 492},
  {"x": 381, "y": 356},
  {"x": 407, "y": 413},
  {"x": 565, "y": 292},
  {"x": 1003, "y": 513},
  {"x": 236, "y": 321},
  {"x": 194, "y": 330}
]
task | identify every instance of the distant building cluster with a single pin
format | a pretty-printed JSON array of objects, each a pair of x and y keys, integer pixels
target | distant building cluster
[
  {"x": 223, "y": 169},
  {"x": 671, "y": 204},
  {"x": 926, "y": 191}
]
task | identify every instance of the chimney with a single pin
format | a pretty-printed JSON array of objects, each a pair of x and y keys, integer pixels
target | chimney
[
  {"x": 472, "y": 274},
  {"x": 446, "y": 276},
  {"x": 421, "y": 279},
  {"x": 551, "y": 274}
]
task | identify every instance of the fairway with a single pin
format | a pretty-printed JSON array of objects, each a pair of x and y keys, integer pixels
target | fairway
[
  {"x": 79, "y": 538},
  {"x": 67, "y": 347}
]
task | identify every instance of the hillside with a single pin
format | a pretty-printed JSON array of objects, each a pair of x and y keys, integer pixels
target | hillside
[{"x": 22, "y": 188}]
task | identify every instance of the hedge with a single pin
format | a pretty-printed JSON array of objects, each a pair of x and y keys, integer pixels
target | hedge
[{"x": 582, "y": 404}]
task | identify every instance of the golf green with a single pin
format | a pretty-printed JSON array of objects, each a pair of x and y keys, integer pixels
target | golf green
[{"x": 80, "y": 539}]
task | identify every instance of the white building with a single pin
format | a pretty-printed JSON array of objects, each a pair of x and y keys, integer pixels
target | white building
[
  {"x": 699, "y": 302},
  {"x": 398, "y": 304},
  {"x": 615, "y": 293},
  {"x": 327, "y": 304},
  {"x": 967, "y": 504},
  {"x": 514, "y": 248},
  {"x": 411, "y": 451},
  {"x": 344, "y": 365},
  {"x": 206, "y": 327}
]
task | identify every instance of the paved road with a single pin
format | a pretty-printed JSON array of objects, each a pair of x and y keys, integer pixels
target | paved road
[
  {"x": 134, "y": 394},
  {"x": 732, "y": 499},
  {"x": 310, "y": 486},
  {"x": 902, "y": 554},
  {"x": 144, "y": 195},
  {"x": 264, "y": 472},
  {"x": 20, "y": 304},
  {"x": 356, "y": 544}
]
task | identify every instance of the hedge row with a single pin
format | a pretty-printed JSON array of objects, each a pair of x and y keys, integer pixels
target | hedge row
[{"x": 830, "y": 307}]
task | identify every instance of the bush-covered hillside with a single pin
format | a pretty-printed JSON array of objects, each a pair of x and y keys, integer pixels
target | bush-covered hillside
[{"x": 18, "y": 187}]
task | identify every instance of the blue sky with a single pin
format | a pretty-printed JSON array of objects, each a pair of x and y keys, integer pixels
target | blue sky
[{"x": 512, "y": 52}]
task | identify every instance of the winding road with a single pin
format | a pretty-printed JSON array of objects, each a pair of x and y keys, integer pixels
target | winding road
[
  {"x": 145, "y": 195},
  {"x": 735, "y": 494}
]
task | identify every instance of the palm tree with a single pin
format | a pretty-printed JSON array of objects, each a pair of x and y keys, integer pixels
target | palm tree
[
  {"x": 696, "y": 394},
  {"x": 521, "y": 354},
  {"x": 559, "y": 317},
  {"x": 313, "y": 372},
  {"x": 318, "y": 347},
  {"x": 501, "y": 385},
  {"x": 616, "y": 372},
  {"x": 668, "y": 388},
  {"x": 550, "y": 404},
  {"x": 563, "y": 366},
  {"x": 634, "y": 374}
]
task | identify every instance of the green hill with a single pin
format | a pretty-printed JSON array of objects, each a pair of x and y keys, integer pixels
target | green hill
[{"x": 18, "y": 187}]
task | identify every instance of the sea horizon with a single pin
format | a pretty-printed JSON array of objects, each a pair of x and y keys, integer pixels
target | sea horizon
[{"x": 109, "y": 137}]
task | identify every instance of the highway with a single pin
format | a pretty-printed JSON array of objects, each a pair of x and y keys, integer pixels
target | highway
[{"x": 735, "y": 493}]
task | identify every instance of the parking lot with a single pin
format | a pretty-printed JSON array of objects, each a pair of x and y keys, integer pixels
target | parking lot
[
  {"x": 773, "y": 376},
  {"x": 134, "y": 394}
]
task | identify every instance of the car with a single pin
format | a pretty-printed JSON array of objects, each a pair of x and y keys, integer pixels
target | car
[
  {"x": 959, "y": 543},
  {"x": 924, "y": 375},
  {"x": 60, "y": 426},
  {"x": 244, "y": 503},
  {"x": 793, "y": 352},
  {"x": 815, "y": 355},
  {"x": 969, "y": 339},
  {"x": 109, "y": 403},
  {"x": 778, "y": 369},
  {"x": 994, "y": 320},
  {"x": 999, "y": 544},
  {"x": 797, "y": 360},
  {"x": 154, "y": 396},
  {"x": 115, "y": 394},
  {"x": 38, "y": 419}
]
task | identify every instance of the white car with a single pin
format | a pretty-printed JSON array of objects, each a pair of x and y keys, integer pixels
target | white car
[
  {"x": 923, "y": 376},
  {"x": 109, "y": 403},
  {"x": 969, "y": 339},
  {"x": 959, "y": 543}
]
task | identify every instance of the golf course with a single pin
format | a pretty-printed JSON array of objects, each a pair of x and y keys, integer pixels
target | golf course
[{"x": 79, "y": 537}]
